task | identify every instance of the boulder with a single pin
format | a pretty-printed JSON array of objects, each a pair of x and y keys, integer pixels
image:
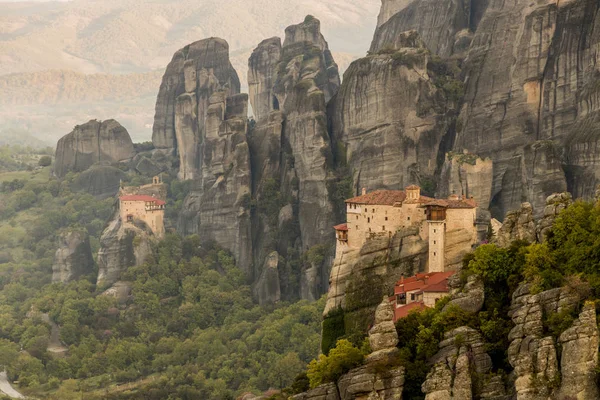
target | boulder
[{"x": 92, "y": 143}]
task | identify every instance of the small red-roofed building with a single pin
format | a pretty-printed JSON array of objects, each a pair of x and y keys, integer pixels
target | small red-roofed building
[
  {"x": 146, "y": 208},
  {"x": 419, "y": 292}
]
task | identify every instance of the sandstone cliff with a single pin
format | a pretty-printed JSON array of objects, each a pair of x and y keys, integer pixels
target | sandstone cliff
[
  {"x": 92, "y": 143},
  {"x": 73, "y": 258}
]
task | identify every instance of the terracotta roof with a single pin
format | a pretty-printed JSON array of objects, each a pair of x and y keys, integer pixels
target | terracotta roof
[
  {"x": 380, "y": 197},
  {"x": 139, "y": 197},
  {"x": 341, "y": 227},
  {"x": 441, "y": 287},
  {"x": 401, "y": 312},
  {"x": 421, "y": 282},
  {"x": 412, "y": 187}
]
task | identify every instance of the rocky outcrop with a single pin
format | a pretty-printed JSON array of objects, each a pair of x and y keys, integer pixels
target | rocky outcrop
[
  {"x": 73, "y": 259},
  {"x": 532, "y": 354},
  {"x": 195, "y": 73},
  {"x": 459, "y": 363},
  {"x": 579, "y": 357},
  {"x": 467, "y": 175},
  {"x": 361, "y": 383},
  {"x": 360, "y": 278},
  {"x": 518, "y": 225},
  {"x": 202, "y": 119},
  {"x": 368, "y": 383},
  {"x": 291, "y": 156},
  {"x": 122, "y": 245},
  {"x": 521, "y": 225},
  {"x": 383, "y": 337},
  {"x": 390, "y": 119},
  {"x": 469, "y": 297},
  {"x": 102, "y": 181},
  {"x": 554, "y": 205},
  {"x": 92, "y": 143},
  {"x": 262, "y": 74}
]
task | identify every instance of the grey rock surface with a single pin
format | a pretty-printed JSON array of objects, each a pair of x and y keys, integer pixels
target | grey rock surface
[
  {"x": 92, "y": 143},
  {"x": 73, "y": 258}
]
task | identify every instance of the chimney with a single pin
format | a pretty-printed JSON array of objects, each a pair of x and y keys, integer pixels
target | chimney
[
  {"x": 364, "y": 191},
  {"x": 402, "y": 280}
]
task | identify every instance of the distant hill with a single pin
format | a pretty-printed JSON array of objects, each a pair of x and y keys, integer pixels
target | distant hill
[
  {"x": 123, "y": 36},
  {"x": 63, "y": 63}
]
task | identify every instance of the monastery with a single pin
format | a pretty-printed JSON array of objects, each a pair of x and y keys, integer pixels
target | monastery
[
  {"x": 383, "y": 212},
  {"x": 135, "y": 205}
]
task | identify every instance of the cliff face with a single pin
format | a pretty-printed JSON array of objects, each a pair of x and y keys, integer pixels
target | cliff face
[
  {"x": 291, "y": 154},
  {"x": 92, "y": 143},
  {"x": 121, "y": 246},
  {"x": 259, "y": 187},
  {"x": 390, "y": 118},
  {"x": 73, "y": 258},
  {"x": 531, "y": 78},
  {"x": 443, "y": 25},
  {"x": 201, "y": 119}
]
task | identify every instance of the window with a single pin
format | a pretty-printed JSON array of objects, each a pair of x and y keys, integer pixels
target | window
[
  {"x": 356, "y": 226},
  {"x": 408, "y": 219},
  {"x": 373, "y": 211},
  {"x": 425, "y": 212},
  {"x": 412, "y": 297},
  {"x": 434, "y": 254},
  {"x": 369, "y": 219},
  {"x": 369, "y": 229},
  {"x": 366, "y": 210},
  {"x": 435, "y": 242},
  {"x": 386, "y": 218},
  {"x": 357, "y": 217},
  {"x": 129, "y": 218},
  {"x": 435, "y": 231},
  {"x": 383, "y": 228},
  {"x": 401, "y": 298}
]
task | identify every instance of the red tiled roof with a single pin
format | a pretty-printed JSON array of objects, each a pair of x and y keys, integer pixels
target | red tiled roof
[
  {"x": 341, "y": 227},
  {"x": 417, "y": 282},
  {"x": 148, "y": 199},
  {"x": 379, "y": 197},
  {"x": 403, "y": 311},
  {"x": 441, "y": 287}
]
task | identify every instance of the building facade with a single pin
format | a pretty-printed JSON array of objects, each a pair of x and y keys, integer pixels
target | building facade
[
  {"x": 144, "y": 204},
  {"x": 384, "y": 212}
]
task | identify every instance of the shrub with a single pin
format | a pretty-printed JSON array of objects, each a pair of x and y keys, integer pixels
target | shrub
[
  {"x": 342, "y": 358},
  {"x": 45, "y": 161}
]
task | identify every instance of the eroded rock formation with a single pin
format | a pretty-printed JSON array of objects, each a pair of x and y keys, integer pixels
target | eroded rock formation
[
  {"x": 92, "y": 143},
  {"x": 539, "y": 372},
  {"x": 460, "y": 361},
  {"x": 73, "y": 258},
  {"x": 292, "y": 160},
  {"x": 122, "y": 246},
  {"x": 390, "y": 119}
]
